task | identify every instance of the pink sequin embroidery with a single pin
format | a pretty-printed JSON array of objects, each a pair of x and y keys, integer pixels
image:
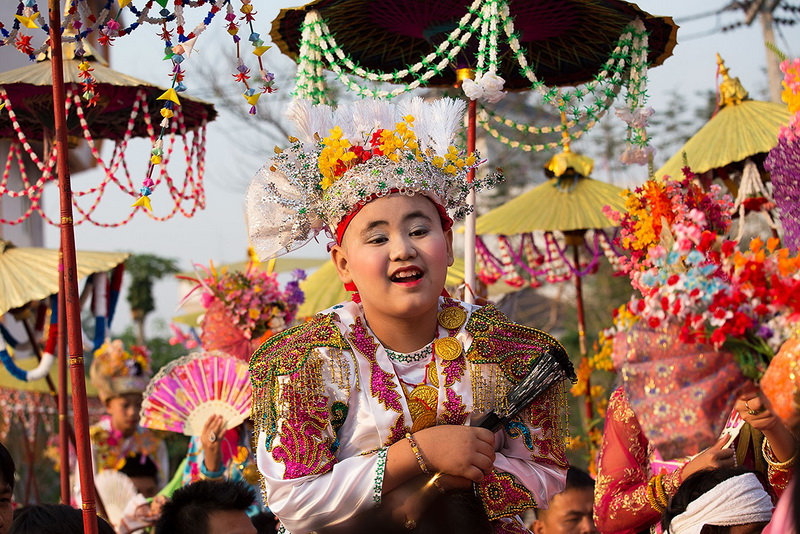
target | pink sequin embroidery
[
  {"x": 303, "y": 448},
  {"x": 381, "y": 384},
  {"x": 503, "y": 496}
]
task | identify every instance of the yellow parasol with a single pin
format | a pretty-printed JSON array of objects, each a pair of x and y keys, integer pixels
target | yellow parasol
[
  {"x": 323, "y": 288},
  {"x": 740, "y": 129},
  {"x": 559, "y": 204},
  {"x": 28, "y": 274}
]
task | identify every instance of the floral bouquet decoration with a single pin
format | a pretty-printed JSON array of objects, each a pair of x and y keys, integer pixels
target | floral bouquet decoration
[
  {"x": 707, "y": 314},
  {"x": 244, "y": 308}
]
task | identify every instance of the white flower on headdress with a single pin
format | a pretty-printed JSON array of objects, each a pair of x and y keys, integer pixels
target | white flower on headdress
[{"x": 487, "y": 87}]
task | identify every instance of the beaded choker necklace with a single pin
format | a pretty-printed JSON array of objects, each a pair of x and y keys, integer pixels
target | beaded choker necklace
[{"x": 411, "y": 357}]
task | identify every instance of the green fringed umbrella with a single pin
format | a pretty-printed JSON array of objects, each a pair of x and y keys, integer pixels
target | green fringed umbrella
[{"x": 571, "y": 203}]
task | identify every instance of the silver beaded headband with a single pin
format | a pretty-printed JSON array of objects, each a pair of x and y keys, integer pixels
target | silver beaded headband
[{"x": 373, "y": 148}]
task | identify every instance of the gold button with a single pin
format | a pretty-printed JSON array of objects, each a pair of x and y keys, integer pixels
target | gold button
[
  {"x": 452, "y": 317},
  {"x": 448, "y": 348}
]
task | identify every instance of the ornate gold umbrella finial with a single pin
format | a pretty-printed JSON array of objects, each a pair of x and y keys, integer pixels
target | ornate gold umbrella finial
[
  {"x": 566, "y": 160},
  {"x": 731, "y": 90}
]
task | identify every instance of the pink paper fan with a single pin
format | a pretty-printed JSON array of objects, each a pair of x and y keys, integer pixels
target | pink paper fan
[{"x": 187, "y": 391}]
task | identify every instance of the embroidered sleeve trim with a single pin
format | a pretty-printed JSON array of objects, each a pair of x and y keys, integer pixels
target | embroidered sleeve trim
[
  {"x": 380, "y": 471},
  {"x": 503, "y": 496}
]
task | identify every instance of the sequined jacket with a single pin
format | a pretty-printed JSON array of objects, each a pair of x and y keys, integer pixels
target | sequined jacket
[{"x": 328, "y": 402}]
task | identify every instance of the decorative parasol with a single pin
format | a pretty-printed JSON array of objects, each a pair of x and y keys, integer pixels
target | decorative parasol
[
  {"x": 28, "y": 274},
  {"x": 323, "y": 288},
  {"x": 123, "y": 108},
  {"x": 741, "y": 128},
  {"x": 29, "y": 88},
  {"x": 568, "y": 41},
  {"x": 606, "y": 43}
]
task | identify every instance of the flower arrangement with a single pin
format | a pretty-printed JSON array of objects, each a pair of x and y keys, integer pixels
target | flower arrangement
[
  {"x": 689, "y": 275},
  {"x": 783, "y": 161},
  {"x": 339, "y": 155},
  {"x": 254, "y": 299},
  {"x": 114, "y": 361}
]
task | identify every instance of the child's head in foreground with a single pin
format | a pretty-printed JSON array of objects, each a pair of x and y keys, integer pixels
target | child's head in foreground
[
  {"x": 396, "y": 251},
  {"x": 384, "y": 181}
]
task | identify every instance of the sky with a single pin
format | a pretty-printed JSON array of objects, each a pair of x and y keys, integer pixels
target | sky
[{"x": 218, "y": 232}]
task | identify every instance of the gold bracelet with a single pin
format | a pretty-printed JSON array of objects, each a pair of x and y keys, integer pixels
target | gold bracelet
[
  {"x": 417, "y": 453},
  {"x": 650, "y": 492},
  {"x": 435, "y": 481},
  {"x": 661, "y": 493},
  {"x": 772, "y": 460}
]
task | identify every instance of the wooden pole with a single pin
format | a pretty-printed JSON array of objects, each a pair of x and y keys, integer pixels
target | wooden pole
[
  {"x": 71, "y": 299},
  {"x": 63, "y": 399},
  {"x": 469, "y": 223}
]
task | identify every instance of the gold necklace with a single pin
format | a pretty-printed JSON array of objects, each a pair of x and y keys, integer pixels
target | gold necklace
[{"x": 423, "y": 399}]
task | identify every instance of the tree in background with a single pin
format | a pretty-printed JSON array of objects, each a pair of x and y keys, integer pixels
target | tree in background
[{"x": 144, "y": 270}]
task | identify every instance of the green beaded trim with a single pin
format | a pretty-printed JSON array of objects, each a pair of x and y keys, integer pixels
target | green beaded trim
[
  {"x": 488, "y": 22},
  {"x": 417, "y": 356},
  {"x": 380, "y": 470}
]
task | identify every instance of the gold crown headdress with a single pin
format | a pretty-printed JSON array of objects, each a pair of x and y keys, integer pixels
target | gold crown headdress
[
  {"x": 370, "y": 148},
  {"x": 116, "y": 371}
]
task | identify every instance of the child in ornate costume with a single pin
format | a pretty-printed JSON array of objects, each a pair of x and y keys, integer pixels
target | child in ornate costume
[
  {"x": 120, "y": 377},
  {"x": 372, "y": 395}
]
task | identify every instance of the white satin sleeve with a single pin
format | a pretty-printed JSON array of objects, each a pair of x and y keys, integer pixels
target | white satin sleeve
[
  {"x": 543, "y": 481},
  {"x": 530, "y": 449},
  {"x": 303, "y": 504}
]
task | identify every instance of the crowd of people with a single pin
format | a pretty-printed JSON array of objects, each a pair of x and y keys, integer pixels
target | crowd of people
[{"x": 366, "y": 417}]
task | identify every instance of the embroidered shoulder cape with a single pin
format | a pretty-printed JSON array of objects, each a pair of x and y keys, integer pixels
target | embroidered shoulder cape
[{"x": 328, "y": 401}]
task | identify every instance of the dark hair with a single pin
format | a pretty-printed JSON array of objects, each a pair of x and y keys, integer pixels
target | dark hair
[
  {"x": 190, "y": 507},
  {"x": 140, "y": 466},
  {"x": 54, "y": 519},
  {"x": 7, "y": 468},
  {"x": 692, "y": 488},
  {"x": 578, "y": 479},
  {"x": 265, "y": 522}
]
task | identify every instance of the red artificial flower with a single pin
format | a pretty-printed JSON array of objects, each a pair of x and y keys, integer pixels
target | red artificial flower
[
  {"x": 718, "y": 337},
  {"x": 706, "y": 240},
  {"x": 23, "y": 44},
  {"x": 672, "y": 280},
  {"x": 728, "y": 247},
  {"x": 105, "y": 40},
  {"x": 242, "y": 76},
  {"x": 654, "y": 322}
]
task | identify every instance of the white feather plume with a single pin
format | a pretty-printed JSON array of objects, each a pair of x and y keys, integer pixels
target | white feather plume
[
  {"x": 310, "y": 119},
  {"x": 372, "y": 115},
  {"x": 420, "y": 110},
  {"x": 445, "y": 117}
]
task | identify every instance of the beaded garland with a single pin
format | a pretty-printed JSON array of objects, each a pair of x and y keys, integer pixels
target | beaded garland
[
  {"x": 80, "y": 22},
  {"x": 411, "y": 357}
]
